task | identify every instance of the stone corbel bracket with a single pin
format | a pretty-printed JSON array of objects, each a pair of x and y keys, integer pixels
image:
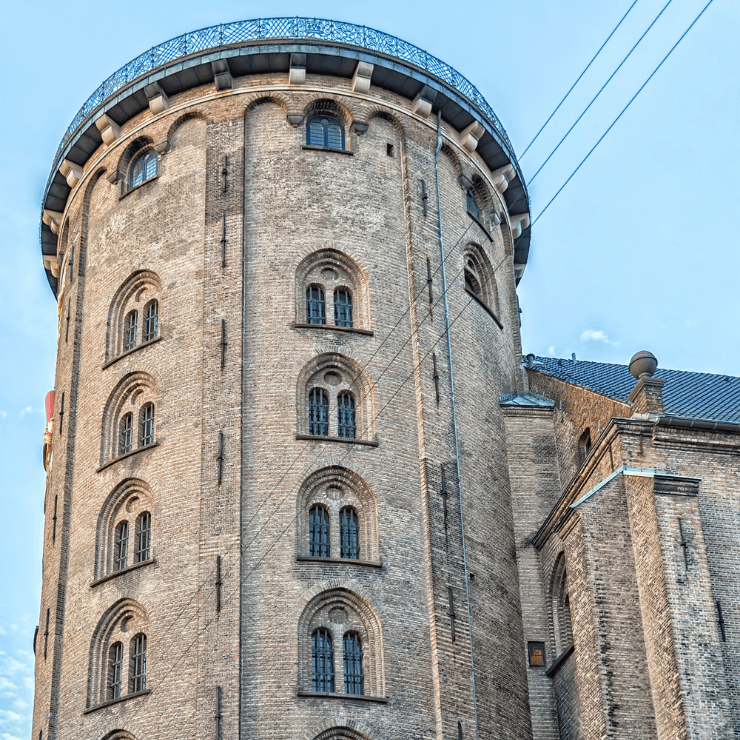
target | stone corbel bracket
[
  {"x": 471, "y": 135},
  {"x": 360, "y": 127},
  {"x": 222, "y": 75},
  {"x": 295, "y": 118},
  {"x": 297, "y": 71},
  {"x": 422, "y": 103},
  {"x": 52, "y": 264},
  {"x": 502, "y": 177},
  {"x": 361, "y": 78},
  {"x": 162, "y": 147},
  {"x": 114, "y": 177},
  {"x": 108, "y": 128},
  {"x": 71, "y": 171},
  {"x": 518, "y": 224},
  {"x": 53, "y": 219},
  {"x": 464, "y": 182},
  {"x": 158, "y": 100}
]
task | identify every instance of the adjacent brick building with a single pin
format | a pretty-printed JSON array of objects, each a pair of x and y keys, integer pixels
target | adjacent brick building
[{"x": 300, "y": 483}]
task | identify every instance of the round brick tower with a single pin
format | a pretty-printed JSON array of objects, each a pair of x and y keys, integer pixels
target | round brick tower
[{"x": 285, "y": 253}]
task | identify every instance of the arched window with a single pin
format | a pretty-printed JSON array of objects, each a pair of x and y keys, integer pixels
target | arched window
[
  {"x": 115, "y": 671},
  {"x": 126, "y": 434},
  {"x": 151, "y": 320},
  {"x": 144, "y": 167},
  {"x": 137, "y": 664},
  {"x": 147, "y": 425},
  {"x": 315, "y": 305},
  {"x": 346, "y": 415},
  {"x": 143, "y": 538},
  {"x": 584, "y": 446},
  {"x": 480, "y": 279},
  {"x": 342, "y": 307},
  {"x": 471, "y": 280},
  {"x": 318, "y": 412},
  {"x": 353, "y": 683},
  {"x": 325, "y": 132},
  {"x": 129, "y": 331},
  {"x": 560, "y": 606},
  {"x": 322, "y": 661},
  {"x": 120, "y": 546},
  {"x": 349, "y": 534},
  {"x": 318, "y": 532},
  {"x": 473, "y": 209}
]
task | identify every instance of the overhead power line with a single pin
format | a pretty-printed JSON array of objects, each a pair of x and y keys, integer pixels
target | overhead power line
[
  {"x": 593, "y": 100},
  {"x": 642, "y": 87},
  {"x": 585, "y": 69}
]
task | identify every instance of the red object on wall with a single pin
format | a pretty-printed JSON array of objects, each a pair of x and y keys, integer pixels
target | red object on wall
[{"x": 49, "y": 405}]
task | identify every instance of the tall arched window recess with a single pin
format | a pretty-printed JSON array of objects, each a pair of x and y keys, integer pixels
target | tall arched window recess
[
  {"x": 126, "y": 434},
  {"x": 137, "y": 665},
  {"x": 353, "y": 677},
  {"x": 560, "y": 607},
  {"x": 120, "y": 547},
  {"x": 315, "y": 305},
  {"x": 151, "y": 321},
  {"x": 130, "y": 330},
  {"x": 143, "y": 168},
  {"x": 349, "y": 534},
  {"x": 584, "y": 446},
  {"x": 480, "y": 280},
  {"x": 346, "y": 415},
  {"x": 472, "y": 204},
  {"x": 143, "y": 541},
  {"x": 322, "y": 661},
  {"x": 115, "y": 671},
  {"x": 319, "y": 531},
  {"x": 318, "y": 412},
  {"x": 324, "y": 131},
  {"x": 147, "y": 425},
  {"x": 342, "y": 307}
]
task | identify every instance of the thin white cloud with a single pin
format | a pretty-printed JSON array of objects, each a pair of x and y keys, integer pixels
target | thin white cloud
[
  {"x": 7, "y": 715},
  {"x": 7, "y": 685},
  {"x": 596, "y": 335},
  {"x": 30, "y": 410},
  {"x": 551, "y": 350},
  {"x": 2, "y": 630},
  {"x": 3, "y": 413},
  {"x": 8, "y": 736}
]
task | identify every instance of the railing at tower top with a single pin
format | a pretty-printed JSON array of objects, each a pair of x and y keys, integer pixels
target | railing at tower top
[{"x": 282, "y": 28}]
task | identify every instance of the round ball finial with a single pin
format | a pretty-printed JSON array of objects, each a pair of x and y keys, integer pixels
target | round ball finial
[{"x": 643, "y": 363}]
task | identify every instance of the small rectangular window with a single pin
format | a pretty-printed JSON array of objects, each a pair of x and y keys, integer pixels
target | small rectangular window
[
  {"x": 536, "y": 651},
  {"x": 389, "y": 149}
]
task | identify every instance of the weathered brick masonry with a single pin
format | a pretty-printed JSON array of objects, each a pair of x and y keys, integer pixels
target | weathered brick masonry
[{"x": 517, "y": 570}]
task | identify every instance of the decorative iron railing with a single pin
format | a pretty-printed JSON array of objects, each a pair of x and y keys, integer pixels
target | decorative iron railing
[{"x": 281, "y": 28}]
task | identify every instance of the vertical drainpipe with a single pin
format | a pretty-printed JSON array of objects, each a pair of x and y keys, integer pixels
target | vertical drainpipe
[{"x": 454, "y": 410}]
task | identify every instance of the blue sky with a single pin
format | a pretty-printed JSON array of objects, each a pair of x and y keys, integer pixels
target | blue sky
[{"x": 640, "y": 251}]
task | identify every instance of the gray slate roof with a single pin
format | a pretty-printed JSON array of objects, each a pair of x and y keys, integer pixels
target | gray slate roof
[{"x": 700, "y": 395}]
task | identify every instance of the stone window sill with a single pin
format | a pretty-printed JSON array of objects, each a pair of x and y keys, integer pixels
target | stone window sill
[
  {"x": 491, "y": 313},
  {"x": 350, "y": 697},
  {"x": 341, "y": 561},
  {"x": 344, "y": 440},
  {"x": 327, "y": 149},
  {"x": 121, "y": 572},
  {"x": 559, "y": 661},
  {"x": 131, "y": 351},
  {"x": 136, "y": 187},
  {"x": 117, "y": 701},
  {"x": 332, "y": 327},
  {"x": 128, "y": 454},
  {"x": 485, "y": 230}
]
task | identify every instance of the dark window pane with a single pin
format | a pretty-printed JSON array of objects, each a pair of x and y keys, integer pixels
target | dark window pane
[
  {"x": 346, "y": 415},
  {"x": 353, "y": 679},
  {"x": 115, "y": 671},
  {"x": 473, "y": 209},
  {"x": 137, "y": 665},
  {"x": 322, "y": 661},
  {"x": 315, "y": 132},
  {"x": 334, "y": 136},
  {"x": 150, "y": 321},
  {"x": 315, "y": 305},
  {"x": 147, "y": 425},
  {"x": 342, "y": 307},
  {"x": 349, "y": 534},
  {"x": 318, "y": 412},
  {"x": 126, "y": 434},
  {"x": 120, "y": 546},
  {"x": 318, "y": 528},
  {"x": 129, "y": 331},
  {"x": 325, "y": 132},
  {"x": 142, "y": 543},
  {"x": 144, "y": 168}
]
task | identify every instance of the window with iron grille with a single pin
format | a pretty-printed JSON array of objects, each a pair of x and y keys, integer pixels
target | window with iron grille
[
  {"x": 346, "y": 415},
  {"x": 473, "y": 209},
  {"x": 315, "y": 305},
  {"x": 147, "y": 425},
  {"x": 120, "y": 546},
  {"x": 322, "y": 661},
  {"x": 143, "y": 169},
  {"x": 151, "y": 319},
  {"x": 349, "y": 534},
  {"x": 318, "y": 412},
  {"x": 325, "y": 132},
  {"x": 142, "y": 543},
  {"x": 115, "y": 671},
  {"x": 126, "y": 434},
  {"x": 318, "y": 532},
  {"x": 137, "y": 667},
  {"x": 129, "y": 331},
  {"x": 353, "y": 683},
  {"x": 342, "y": 307}
]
